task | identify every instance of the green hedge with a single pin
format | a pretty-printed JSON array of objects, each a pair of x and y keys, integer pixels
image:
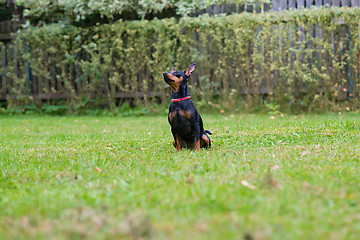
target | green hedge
[
  {"x": 78, "y": 10},
  {"x": 301, "y": 60}
]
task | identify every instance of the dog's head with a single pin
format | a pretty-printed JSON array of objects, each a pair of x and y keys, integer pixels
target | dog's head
[{"x": 178, "y": 79}]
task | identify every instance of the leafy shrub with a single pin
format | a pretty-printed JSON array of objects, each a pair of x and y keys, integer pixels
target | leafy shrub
[
  {"x": 302, "y": 60},
  {"x": 78, "y": 10},
  {"x": 54, "y": 109}
]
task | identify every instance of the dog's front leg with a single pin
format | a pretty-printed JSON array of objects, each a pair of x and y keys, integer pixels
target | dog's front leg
[
  {"x": 178, "y": 143},
  {"x": 197, "y": 137},
  {"x": 177, "y": 140}
]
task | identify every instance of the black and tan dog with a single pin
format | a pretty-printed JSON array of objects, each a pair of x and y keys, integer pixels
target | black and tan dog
[{"x": 186, "y": 123}]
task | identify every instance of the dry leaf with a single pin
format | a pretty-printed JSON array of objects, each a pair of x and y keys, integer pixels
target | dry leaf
[
  {"x": 276, "y": 167},
  {"x": 98, "y": 169},
  {"x": 190, "y": 180},
  {"x": 269, "y": 180},
  {"x": 248, "y": 185},
  {"x": 304, "y": 153},
  {"x": 306, "y": 185}
]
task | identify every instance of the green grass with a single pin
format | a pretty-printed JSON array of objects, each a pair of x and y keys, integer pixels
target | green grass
[{"x": 292, "y": 177}]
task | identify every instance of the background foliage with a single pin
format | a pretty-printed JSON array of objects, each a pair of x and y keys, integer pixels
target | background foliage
[
  {"x": 295, "y": 60},
  {"x": 78, "y": 10}
]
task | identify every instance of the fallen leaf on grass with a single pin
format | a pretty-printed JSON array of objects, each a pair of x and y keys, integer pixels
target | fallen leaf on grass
[
  {"x": 276, "y": 167},
  {"x": 304, "y": 153},
  {"x": 270, "y": 181},
  {"x": 306, "y": 185},
  {"x": 190, "y": 180},
  {"x": 137, "y": 225},
  {"x": 248, "y": 185},
  {"x": 203, "y": 227},
  {"x": 98, "y": 169}
]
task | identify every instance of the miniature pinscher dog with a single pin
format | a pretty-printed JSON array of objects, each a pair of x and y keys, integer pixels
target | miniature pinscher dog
[{"x": 186, "y": 123}]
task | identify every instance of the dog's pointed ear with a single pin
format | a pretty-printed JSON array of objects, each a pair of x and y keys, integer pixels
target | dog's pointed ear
[
  {"x": 172, "y": 70},
  {"x": 189, "y": 70}
]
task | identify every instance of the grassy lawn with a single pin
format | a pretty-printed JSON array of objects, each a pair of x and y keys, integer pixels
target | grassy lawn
[{"x": 292, "y": 177}]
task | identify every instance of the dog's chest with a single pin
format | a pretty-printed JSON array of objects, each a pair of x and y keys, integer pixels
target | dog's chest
[{"x": 181, "y": 122}]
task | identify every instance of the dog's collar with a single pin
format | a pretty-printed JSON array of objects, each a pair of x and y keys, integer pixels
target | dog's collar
[{"x": 180, "y": 99}]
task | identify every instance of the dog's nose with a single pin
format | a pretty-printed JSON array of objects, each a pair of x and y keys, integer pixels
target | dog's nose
[{"x": 165, "y": 73}]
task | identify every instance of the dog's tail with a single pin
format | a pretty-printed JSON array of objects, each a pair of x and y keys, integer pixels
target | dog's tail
[{"x": 208, "y": 132}]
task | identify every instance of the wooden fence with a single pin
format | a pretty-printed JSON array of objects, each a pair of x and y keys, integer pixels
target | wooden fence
[
  {"x": 278, "y": 5},
  {"x": 7, "y": 28}
]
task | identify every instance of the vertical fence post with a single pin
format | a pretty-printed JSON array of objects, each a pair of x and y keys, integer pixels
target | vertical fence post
[
  {"x": 283, "y": 5},
  {"x": 28, "y": 70},
  {"x": 276, "y": 5},
  {"x": 3, "y": 65},
  {"x": 300, "y": 4},
  {"x": 350, "y": 67},
  {"x": 308, "y": 3},
  {"x": 327, "y": 3},
  {"x": 336, "y": 3},
  {"x": 345, "y": 3},
  {"x": 292, "y": 4},
  {"x": 355, "y": 3}
]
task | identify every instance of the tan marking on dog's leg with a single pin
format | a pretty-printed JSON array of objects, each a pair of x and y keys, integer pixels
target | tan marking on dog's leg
[
  {"x": 178, "y": 143},
  {"x": 197, "y": 145}
]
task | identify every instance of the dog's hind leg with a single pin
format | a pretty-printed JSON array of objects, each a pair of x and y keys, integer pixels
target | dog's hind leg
[{"x": 205, "y": 141}]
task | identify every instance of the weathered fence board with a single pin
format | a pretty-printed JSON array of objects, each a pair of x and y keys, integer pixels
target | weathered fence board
[
  {"x": 335, "y": 3},
  {"x": 327, "y": 3},
  {"x": 292, "y": 4},
  {"x": 278, "y": 5},
  {"x": 355, "y": 3},
  {"x": 7, "y": 28},
  {"x": 2, "y": 74}
]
